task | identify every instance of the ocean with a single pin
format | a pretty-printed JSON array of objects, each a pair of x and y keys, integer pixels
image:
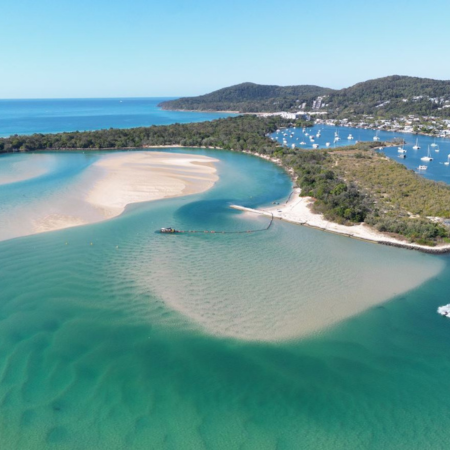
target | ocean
[
  {"x": 113, "y": 336},
  {"x": 58, "y": 115}
]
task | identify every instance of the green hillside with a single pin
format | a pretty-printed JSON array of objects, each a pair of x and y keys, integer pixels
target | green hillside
[
  {"x": 393, "y": 95},
  {"x": 249, "y": 97}
]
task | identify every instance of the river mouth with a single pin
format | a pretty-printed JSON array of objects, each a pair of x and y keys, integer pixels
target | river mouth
[{"x": 116, "y": 336}]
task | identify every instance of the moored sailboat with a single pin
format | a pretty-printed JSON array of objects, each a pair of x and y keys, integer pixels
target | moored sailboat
[{"x": 428, "y": 157}]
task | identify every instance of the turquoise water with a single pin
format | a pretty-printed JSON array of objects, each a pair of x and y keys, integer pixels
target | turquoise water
[
  {"x": 142, "y": 340},
  {"x": 58, "y": 115}
]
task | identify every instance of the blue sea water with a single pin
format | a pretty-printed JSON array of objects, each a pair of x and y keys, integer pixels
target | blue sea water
[
  {"x": 58, "y": 115},
  {"x": 436, "y": 169},
  {"x": 142, "y": 340}
]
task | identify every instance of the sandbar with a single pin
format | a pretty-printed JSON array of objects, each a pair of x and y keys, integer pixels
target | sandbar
[{"x": 105, "y": 188}]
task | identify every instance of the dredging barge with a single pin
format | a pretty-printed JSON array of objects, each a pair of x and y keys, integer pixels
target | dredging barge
[{"x": 169, "y": 230}]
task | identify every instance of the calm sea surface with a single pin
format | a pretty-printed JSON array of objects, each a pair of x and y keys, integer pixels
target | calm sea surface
[
  {"x": 439, "y": 148},
  {"x": 56, "y": 115},
  {"x": 142, "y": 340}
]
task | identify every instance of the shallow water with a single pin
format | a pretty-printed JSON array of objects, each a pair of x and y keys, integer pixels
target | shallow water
[{"x": 143, "y": 340}]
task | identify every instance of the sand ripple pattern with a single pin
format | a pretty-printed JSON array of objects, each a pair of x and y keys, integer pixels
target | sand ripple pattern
[{"x": 283, "y": 284}]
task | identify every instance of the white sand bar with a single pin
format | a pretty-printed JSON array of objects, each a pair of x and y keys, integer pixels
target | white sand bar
[
  {"x": 105, "y": 188},
  {"x": 143, "y": 176}
]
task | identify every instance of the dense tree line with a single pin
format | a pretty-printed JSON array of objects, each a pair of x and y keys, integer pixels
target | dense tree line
[
  {"x": 337, "y": 200},
  {"x": 234, "y": 133}
]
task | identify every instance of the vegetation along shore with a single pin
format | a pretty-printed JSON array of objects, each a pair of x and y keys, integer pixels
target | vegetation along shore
[{"x": 348, "y": 186}]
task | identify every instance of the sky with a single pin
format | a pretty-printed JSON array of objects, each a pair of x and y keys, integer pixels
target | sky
[{"x": 148, "y": 48}]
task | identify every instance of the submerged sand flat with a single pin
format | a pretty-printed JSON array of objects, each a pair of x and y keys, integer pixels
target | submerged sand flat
[
  {"x": 19, "y": 169},
  {"x": 103, "y": 190}
]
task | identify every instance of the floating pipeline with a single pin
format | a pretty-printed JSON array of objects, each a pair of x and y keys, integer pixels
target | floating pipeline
[{"x": 174, "y": 231}]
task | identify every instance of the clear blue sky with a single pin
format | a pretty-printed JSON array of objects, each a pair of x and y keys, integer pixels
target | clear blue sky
[{"x": 113, "y": 48}]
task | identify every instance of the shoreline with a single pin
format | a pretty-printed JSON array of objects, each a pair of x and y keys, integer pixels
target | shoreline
[
  {"x": 297, "y": 210},
  {"x": 261, "y": 113},
  {"x": 301, "y": 216},
  {"x": 108, "y": 186}
]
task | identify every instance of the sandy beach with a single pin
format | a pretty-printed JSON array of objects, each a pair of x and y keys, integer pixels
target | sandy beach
[
  {"x": 298, "y": 210},
  {"x": 135, "y": 177},
  {"x": 104, "y": 189}
]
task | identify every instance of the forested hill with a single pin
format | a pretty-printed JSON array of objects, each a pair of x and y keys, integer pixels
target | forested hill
[
  {"x": 380, "y": 97},
  {"x": 393, "y": 95},
  {"x": 250, "y": 97}
]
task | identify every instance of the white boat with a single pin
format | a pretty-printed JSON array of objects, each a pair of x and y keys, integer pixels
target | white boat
[
  {"x": 434, "y": 143},
  {"x": 350, "y": 137},
  {"x": 417, "y": 146},
  {"x": 292, "y": 145},
  {"x": 315, "y": 145},
  {"x": 306, "y": 134},
  {"x": 401, "y": 150},
  {"x": 428, "y": 157},
  {"x": 448, "y": 161},
  {"x": 423, "y": 167},
  {"x": 437, "y": 149},
  {"x": 327, "y": 144},
  {"x": 376, "y": 138},
  {"x": 402, "y": 155},
  {"x": 444, "y": 310},
  {"x": 302, "y": 143}
]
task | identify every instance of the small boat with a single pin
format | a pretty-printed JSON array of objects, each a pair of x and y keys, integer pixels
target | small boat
[
  {"x": 315, "y": 145},
  {"x": 401, "y": 150},
  {"x": 327, "y": 144},
  {"x": 350, "y": 137},
  {"x": 444, "y": 310},
  {"x": 402, "y": 155},
  {"x": 417, "y": 146},
  {"x": 436, "y": 149},
  {"x": 292, "y": 145},
  {"x": 168, "y": 230},
  {"x": 434, "y": 143},
  {"x": 423, "y": 167},
  {"x": 448, "y": 161},
  {"x": 428, "y": 157},
  {"x": 376, "y": 138},
  {"x": 302, "y": 143}
]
